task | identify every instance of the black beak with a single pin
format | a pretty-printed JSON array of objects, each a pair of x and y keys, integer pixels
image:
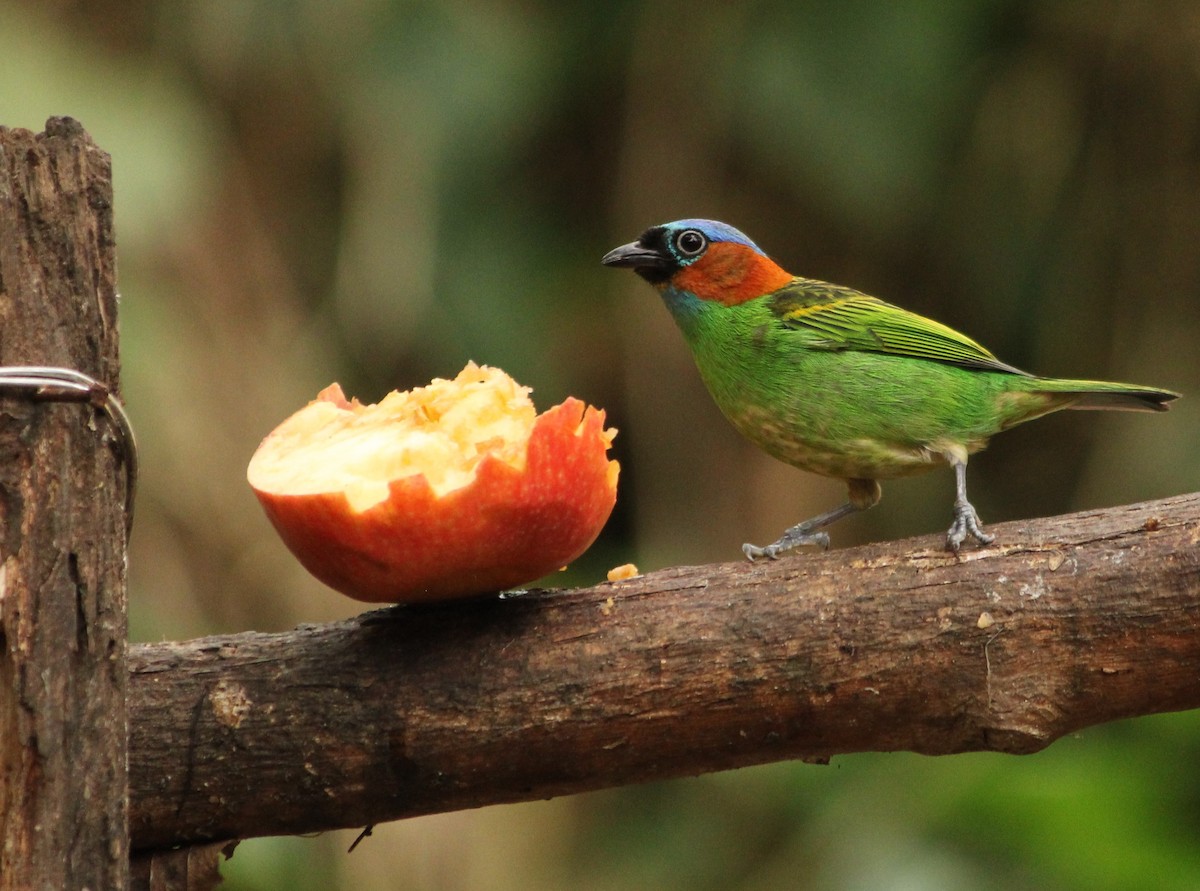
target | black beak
[{"x": 636, "y": 256}]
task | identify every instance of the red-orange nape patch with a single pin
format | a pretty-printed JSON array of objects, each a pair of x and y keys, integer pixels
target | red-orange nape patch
[{"x": 731, "y": 273}]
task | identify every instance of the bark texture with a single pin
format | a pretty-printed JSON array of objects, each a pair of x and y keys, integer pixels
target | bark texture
[
  {"x": 1066, "y": 622},
  {"x": 197, "y": 868},
  {"x": 63, "y": 677}
]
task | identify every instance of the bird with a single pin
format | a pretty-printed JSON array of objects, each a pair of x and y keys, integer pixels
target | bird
[{"x": 840, "y": 383}]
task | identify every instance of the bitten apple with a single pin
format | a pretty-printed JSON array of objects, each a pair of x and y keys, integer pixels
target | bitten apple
[{"x": 444, "y": 491}]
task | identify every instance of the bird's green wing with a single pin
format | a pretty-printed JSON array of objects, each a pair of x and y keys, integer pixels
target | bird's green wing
[{"x": 845, "y": 319}]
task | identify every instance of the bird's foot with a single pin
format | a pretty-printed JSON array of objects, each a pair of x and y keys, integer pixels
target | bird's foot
[
  {"x": 796, "y": 537},
  {"x": 966, "y": 522}
]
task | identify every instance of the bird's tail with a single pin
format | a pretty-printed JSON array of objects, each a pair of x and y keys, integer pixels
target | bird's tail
[{"x": 1105, "y": 395}]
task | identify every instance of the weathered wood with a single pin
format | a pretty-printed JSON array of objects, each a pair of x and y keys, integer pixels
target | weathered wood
[
  {"x": 1066, "y": 622},
  {"x": 63, "y": 678},
  {"x": 197, "y": 868}
]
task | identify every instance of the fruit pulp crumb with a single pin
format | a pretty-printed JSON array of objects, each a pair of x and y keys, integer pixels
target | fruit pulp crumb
[{"x": 622, "y": 572}]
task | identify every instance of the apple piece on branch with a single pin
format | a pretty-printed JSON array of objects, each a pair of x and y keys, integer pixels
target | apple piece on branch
[{"x": 449, "y": 490}]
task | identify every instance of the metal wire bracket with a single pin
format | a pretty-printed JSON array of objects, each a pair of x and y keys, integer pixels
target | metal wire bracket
[{"x": 45, "y": 383}]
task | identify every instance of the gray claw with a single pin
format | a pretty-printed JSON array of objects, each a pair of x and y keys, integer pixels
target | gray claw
[
  {"x": 753, "y": 552},
  {"x": 966, "y": 522},
  {"x": 790, "y": 540}
]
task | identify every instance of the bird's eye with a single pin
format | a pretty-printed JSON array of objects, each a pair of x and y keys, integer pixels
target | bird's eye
[{"x": 691, "y": 243}]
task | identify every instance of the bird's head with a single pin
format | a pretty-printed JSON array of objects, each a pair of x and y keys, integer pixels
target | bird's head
[{"x": 708, "y": 259}]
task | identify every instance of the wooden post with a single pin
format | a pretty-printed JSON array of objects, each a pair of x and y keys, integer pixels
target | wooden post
[{"x": 63, "y": 678}]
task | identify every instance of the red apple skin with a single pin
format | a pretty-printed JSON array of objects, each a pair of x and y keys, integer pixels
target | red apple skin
[{"x": 506, "y": 528}]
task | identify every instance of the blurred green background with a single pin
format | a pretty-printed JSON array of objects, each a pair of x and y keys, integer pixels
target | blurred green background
[{"x": 376, "y": 192}]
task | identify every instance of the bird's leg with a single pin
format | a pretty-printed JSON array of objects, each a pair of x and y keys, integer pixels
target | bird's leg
[
  {"x": 801, "y": 534},
  {"x": 863, "y": 494},
  {"x": 966, "y": 521}
]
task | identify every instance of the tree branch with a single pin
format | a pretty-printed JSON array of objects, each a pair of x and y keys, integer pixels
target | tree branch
[{"x": 1067, "y": 622}]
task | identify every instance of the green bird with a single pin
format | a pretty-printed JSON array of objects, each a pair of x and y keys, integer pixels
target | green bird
[{"x": 840, "y": 383}]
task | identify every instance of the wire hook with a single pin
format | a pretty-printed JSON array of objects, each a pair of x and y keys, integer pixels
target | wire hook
[{"x": 45, "y": 383}]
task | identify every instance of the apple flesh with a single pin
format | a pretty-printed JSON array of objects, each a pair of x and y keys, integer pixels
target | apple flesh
[{"x": 449, "y": 490}]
